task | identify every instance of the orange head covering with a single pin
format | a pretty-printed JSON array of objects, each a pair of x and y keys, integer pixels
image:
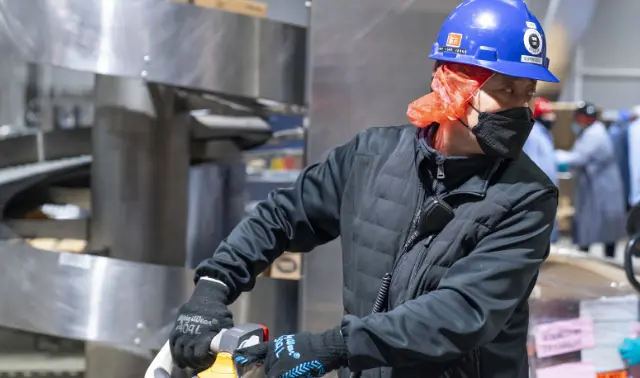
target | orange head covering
[{"x": 453, "y": 85}]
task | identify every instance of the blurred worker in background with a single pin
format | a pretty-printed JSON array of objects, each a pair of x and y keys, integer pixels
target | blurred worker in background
[
  {"x": 599, "y": 215},
  {"x": 540, "y": 145},
  {"x": 634, "y": 157},
  {"x": 454, "y": 303},
  {"x": 619, "y": 134}
]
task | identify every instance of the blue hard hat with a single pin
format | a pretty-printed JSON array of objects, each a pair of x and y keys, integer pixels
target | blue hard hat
[
  {"x": 624, "y": 115},
  {"x": 500, "y": 35}
]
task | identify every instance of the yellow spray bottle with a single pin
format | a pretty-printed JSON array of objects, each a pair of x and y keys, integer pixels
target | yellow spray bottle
[
  {"x": 224, "y": 344},
  {"x": 228, "y": 341},
  {"x": 222, "y": 368}
]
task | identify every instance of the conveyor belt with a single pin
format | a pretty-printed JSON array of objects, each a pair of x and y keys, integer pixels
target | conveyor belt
[
  {"x": 29, "y": 374},
  {"x": 21, "y": 172},
  {"x": 38, "y": 365},
  {"x": 56, "y": 145}
]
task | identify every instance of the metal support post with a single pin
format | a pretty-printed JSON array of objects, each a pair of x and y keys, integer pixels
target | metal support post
[
  {"x": 578, "y": 79},
  {"x": 139, "y": 192}
]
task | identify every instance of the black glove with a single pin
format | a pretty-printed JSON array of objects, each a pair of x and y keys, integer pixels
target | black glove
[
  {"x": 199, "y": 320},
  {"x": 299, "y": 355}
]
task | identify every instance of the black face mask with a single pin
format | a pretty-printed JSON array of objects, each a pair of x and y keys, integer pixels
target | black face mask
[
  {"x": 547, "y": 124},
  {"x": 503, "y": 134}
]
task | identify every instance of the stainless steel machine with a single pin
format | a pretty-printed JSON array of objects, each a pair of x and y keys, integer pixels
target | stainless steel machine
[{"x": 153, "y": 65}]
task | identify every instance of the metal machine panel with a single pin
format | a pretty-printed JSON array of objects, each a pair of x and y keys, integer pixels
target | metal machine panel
[
  {"x": 114, "y": 301},
  {"x": 90, "y": 298},
  {"x": 369, "y": 61},
  {"x": 160, "y": 41}
]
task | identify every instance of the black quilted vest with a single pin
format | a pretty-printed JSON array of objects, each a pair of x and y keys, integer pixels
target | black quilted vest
[{"x": 382, "y": 194}]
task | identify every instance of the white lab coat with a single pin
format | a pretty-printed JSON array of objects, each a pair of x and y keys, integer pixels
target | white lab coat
[
  {"x": 598, "y": 192},
  {"x": 634, "y": 162}
]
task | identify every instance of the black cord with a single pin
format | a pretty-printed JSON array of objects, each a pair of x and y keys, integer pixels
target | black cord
[
  {"x": 378, "y": 306},
  {"x": 629, "y": 253}
]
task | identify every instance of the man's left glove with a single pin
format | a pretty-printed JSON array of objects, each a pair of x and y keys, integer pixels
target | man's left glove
[
  {"x": 199, "y": 321},
  {"x": 299, "y": 355}
]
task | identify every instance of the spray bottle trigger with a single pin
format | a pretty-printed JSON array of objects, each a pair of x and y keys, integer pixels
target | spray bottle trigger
[{"x": 265, "y": 332}]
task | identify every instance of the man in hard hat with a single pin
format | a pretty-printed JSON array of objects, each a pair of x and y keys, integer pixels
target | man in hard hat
[
  {"x": 449, "y": 207},
  {"x": 599, "y": 215},
  {"x": 540, "y": 145}
]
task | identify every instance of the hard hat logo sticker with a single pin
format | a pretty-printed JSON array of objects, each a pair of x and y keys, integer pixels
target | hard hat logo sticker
[
  {"x": 533, "y": 41},
  {"x": 454, "y": 40}
]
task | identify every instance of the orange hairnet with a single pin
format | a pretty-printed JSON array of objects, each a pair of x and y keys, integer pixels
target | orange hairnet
[{"x": 453, "y": 85}]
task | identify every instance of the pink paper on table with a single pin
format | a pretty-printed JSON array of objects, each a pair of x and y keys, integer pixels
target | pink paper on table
[
  {"x": 635, "y": 329},
  {"x": 564, "y": 336},
  {"x": 577, "y": 369}
]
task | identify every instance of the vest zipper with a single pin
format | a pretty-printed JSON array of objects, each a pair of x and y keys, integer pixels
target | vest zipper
[
  {"x": 475, "y": 363},
  {"x": 423, "y": 255},
  {"x": 440, "y": 169},
  {"x": 378, "y": 306},
  {"x": 411, "y": 237},
  {"x": 439, "y": 174},
  {"x": 420, "y": 260},
  {"x": 414, "y": 232}
]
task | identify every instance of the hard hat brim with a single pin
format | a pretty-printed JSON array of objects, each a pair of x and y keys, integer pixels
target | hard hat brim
[{"x": 516, "y": 69}]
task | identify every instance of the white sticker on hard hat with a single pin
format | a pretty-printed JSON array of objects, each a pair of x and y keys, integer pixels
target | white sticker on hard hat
[
  {"x": 533, "y": 41},
  {"x": 531, "y": 25},
  {"x": 530, "y": 59}
]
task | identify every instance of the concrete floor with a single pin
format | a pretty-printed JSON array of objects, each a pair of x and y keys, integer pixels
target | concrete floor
[{"x": 597, "y": 250}]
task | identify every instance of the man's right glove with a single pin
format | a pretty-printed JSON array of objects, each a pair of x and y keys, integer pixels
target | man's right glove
[
  {"x": 301, "y": 355},
  {"x": 199, "y": 321},
  {"x": 630, "y": 351}
]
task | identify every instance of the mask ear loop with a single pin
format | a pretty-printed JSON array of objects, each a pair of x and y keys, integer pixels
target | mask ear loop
[{"x": 470, "y": 104}]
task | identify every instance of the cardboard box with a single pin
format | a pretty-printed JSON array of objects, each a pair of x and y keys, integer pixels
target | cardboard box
[
  {"x": 59, "y": 245},
  {"x": 562, "y": 133},
  {"x": 80, "y": 197},
  {"x": 565, "y": 214},
  {"x": 246, "y": 7},
  {"x": 286, "y": 267},
  {"x": 565, "y": 205}
]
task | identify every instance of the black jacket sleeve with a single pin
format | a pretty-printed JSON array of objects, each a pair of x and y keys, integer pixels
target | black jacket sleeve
[
  {"x": 294, "y": 219},
  {"x": 473, "y": 302}
]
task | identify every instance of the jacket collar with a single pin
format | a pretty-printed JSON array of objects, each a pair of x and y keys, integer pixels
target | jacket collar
[{"x": 463, "y": 175}]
